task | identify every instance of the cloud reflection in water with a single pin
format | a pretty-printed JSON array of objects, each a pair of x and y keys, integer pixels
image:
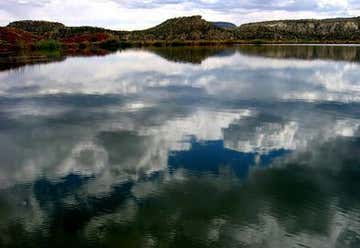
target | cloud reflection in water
[{"x": 236, "y": 150}]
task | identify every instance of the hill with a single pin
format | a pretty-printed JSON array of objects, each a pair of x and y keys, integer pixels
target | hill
[
  {"x": 183, "y": 29},
  {"x": 192, "y": 30},
  {"x": 53, "y": 35},
  {"x": 36, "y": 27},
  {"x": 55, "y": 30},
  {"x": 338, "y": 29}
]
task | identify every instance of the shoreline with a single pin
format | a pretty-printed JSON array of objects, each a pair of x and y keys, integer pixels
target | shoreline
[{"x": 96, "y": 48}]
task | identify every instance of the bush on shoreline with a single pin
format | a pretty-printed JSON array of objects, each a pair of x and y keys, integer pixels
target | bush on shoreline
[{"x": 48, "y": 45}]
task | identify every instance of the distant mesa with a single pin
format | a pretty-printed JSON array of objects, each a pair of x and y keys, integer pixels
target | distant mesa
[{"x": 225, "y": 25}]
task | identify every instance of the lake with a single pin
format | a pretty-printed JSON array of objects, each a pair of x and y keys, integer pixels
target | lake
[{"x": 244, "y": 146}]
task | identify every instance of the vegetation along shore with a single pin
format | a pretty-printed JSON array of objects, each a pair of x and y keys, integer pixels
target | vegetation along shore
[{"x": 193, "y": 30}]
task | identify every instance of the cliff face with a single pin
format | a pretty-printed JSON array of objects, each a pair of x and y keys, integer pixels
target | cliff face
[{"x": 347, "y": 29}]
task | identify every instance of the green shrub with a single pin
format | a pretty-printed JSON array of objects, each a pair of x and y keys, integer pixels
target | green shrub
[{"x": 49, "y": 45}]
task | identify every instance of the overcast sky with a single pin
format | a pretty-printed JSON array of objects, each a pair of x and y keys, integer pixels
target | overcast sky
[{"x": 136, "y": 14}]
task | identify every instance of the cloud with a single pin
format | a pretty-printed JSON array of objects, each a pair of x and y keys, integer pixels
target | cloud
[{"x": 125, "y": 14}]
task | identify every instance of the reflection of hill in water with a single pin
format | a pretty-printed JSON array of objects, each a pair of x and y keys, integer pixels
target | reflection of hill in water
[
  {"x": 194, "y": 55},
  {"x": 197, "y": 55},
  {"x": 344, "y": 53},
  {"x": 16, "y": 61}
]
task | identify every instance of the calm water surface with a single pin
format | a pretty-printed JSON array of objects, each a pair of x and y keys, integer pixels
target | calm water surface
[{"x": 250, "y": 146}]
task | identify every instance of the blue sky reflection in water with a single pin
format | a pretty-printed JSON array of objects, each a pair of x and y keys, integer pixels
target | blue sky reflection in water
[{"x": 201, "y": 147}]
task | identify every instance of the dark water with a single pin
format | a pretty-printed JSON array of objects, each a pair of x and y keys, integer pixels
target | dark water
[{"x": 251, "y": 146}]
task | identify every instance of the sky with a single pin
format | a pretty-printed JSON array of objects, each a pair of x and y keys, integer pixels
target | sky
[{"x": 135, "y": 14}]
